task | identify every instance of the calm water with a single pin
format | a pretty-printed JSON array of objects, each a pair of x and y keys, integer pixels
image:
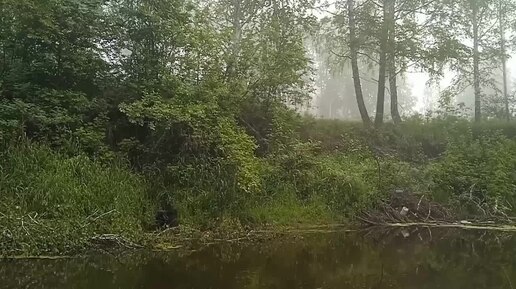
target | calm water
[{"x": 415, "y": 258}]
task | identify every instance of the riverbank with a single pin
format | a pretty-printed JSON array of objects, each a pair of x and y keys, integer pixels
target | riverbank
[
  {"x": 175, "y": 240},
  {"x": 183, "y": 240},
  {"x": 58, "y": 202}
]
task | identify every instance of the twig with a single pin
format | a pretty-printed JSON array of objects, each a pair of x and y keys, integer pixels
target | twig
[
  {"x": 25, "y": 229},
  {"x": 429, "y": 212},
  {"x": 119, "y": 240},
  {"x": 164, "y": 231},
  {"x": 368, "y": 221},
  {"x": 94, "y": 213},
  {"x": 419, "y": 203},
  {"x": 38, "y": 223},
  {"x": 98, "y": 217},
  {"x": 32, "y": 218},
  {"x": 35, "y": 257},
  {"x": 507, "y": 276}
]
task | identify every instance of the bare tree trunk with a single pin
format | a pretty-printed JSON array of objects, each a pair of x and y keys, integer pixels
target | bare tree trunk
[
  {"x": 476, "y": 63},
  {"x": 504, "y": 59},
  {"x": 354, "y": 65},
  {"x": 393, "y": 87},
  {"x": 380, "y": 101}
]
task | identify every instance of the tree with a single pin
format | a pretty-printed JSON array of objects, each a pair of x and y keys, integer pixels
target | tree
[
  {"x": 51, "y": 66},
  {"x": 505, "y": 8},
  {"x": 472, "y": 23},
  {"x": 390, "y": 37},
  {"x": 476, "y": 57},
  {"x": 392, "y": 71},
  {"x": 354, "y": 64},
  {"x": 382, "y": 66}
]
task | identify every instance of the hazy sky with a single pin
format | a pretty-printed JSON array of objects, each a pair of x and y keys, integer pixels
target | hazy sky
[{"x": 419, "y": 81}]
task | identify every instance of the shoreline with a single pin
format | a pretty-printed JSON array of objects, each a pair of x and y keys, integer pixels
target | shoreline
[{"x": 179, "y": 241}]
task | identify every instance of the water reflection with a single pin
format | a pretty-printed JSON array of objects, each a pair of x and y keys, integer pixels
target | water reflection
[{"x": 379, "y": 259}]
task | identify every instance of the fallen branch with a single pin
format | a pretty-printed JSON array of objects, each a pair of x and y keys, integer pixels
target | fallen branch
[
  {"x": 111, "y": 239},
  {"x": 35, "y": 257},
  {"x": 506, "y": 228},
  {"x": 98, "y": 217}
]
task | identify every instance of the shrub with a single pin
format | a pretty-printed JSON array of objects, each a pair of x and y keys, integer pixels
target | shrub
[
  {"x": 204, "y": 159},
  {"x": 344, "y": 183},
  {"x": 477, "y": 172}
]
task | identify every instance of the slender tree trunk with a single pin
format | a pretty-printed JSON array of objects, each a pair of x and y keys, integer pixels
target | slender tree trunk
[
  {"x": 393, "y": 87},
  {"x": 354, "y": 65},
  {"x": 504, "y": 59},
  {"x": 476, "y": 63},
  {"x": 380, "y": 101},
  {"x": 236, "y": 39},
  {"x": 3, "y": 33}
]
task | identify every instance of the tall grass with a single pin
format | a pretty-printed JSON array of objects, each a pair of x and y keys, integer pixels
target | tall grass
[{"x": 50, "y": 203}]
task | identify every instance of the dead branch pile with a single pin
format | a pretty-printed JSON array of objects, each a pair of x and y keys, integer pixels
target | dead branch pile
[{"x": 403, "y": 207}]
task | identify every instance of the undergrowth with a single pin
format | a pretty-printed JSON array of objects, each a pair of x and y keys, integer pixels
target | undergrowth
[{"x": 52, "y": 203}]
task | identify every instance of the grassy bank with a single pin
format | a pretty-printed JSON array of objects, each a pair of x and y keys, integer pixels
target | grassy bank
[
  {"x": 51, "y": 203},
  {"x": 55, "y": 203},
  {"x": 470, "y": 167}
]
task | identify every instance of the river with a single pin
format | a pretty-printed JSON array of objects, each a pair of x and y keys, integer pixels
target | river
[{"x": 413, "y": 258}]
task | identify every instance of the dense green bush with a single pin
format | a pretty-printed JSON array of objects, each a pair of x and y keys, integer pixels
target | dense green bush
[
  {"x": 470, "y": 166},
  {"x": 343, "y": 183},
  {"x": 204, "y": 160},
  {"x": 51, "y": 203},
  {"x": 414, "y": 140},
  {"x": 477, "y": 172}
]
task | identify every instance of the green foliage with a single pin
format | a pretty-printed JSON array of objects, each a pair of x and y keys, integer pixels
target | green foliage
[
  {"x": 212, "y": 168},
  {"x": 200, "y": 99},
  {"x": 343, "y": 182},
  {"x": 469, "y": 166},
  {"x": 190, "y": 100},
  {"x": 51, "y": 116},
  {"x": 478, "y": 172},
  {"x": 52, "y": 204},
  {"x": 285, "y": 208}
]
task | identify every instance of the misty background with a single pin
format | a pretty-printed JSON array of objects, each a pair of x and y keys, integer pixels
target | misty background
[{"x": 419, "y": 93}]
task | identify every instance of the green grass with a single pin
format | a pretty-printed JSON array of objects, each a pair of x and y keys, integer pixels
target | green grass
[
  {"x": 287, "y": 210},
  {"x": 51, "y": 203}
]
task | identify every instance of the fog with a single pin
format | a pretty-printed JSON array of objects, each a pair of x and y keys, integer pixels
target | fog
[{"x": 419, "y": 92}]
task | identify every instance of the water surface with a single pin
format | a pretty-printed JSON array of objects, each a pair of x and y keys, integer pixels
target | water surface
[{"x": 413, "y": 258}]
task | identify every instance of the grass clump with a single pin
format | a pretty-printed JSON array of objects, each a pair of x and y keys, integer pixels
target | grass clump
[{"x": 53, "y": 204}]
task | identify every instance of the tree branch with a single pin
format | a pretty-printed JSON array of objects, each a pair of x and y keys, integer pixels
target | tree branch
[
  {"x": 415, "y": 9},
  {"x": 368, "y": 56},
  {"x": 339, "y": 55}
]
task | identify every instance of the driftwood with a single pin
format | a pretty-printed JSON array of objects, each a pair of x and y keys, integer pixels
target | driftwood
[
  {"x": 35, "y": 257},
  {"x": 468, "y": 226}
]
